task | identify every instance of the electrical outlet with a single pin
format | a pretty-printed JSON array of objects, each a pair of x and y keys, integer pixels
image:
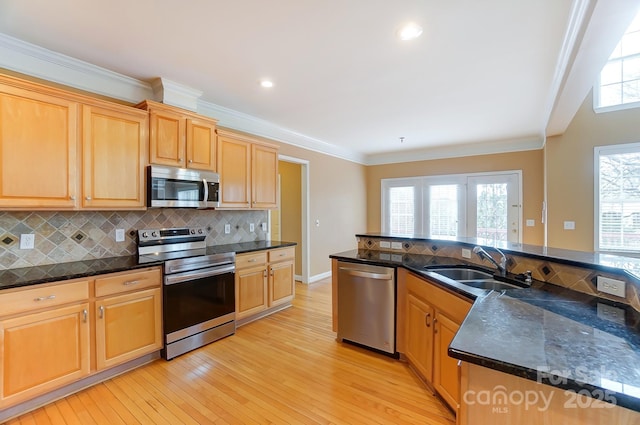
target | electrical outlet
[
  {"x": 264, "y": 227},
  {"x": 569, "y": 225},
  {"x": 27, "y": 241},
  {"x": 252, "y": 227},
  {"x": 611, "y": 286},
  {"x": 385, "y": 244},
  {"x": 531, "y": 223},
  {"x": 610, "y": 313},
  {"x": 396, "y": 245},
  {"x": 119, "y": 235},
  {"x": 227, "y": 229},
  {"x": 466, "y": 253}
]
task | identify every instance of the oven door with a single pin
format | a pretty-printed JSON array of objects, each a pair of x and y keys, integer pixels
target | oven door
[{"x": 195, "y": 301}]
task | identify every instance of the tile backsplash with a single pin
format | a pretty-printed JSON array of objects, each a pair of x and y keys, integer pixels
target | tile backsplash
[{"x": 64, "y": 236}]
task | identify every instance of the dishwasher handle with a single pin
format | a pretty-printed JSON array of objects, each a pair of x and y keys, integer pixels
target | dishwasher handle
[{"x": 367, "y": 275}]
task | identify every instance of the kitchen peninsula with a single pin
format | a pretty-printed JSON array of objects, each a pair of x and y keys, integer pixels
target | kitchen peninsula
[{"x": 559, "y": 339}]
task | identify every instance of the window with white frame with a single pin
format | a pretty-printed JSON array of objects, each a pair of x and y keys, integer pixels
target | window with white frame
[
  {"x": 617, "y": 206},
  {"x": 619, "y": 82},
  {"x": 482, "y": 205}
]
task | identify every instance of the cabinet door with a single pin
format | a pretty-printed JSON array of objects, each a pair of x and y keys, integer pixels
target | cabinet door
[
  {"x": 281, "y": 283},
  {"x": 43, "y": 351},
  {"x": 264, "y": 173},
  {"x": 201, "y": 144},
  {"x": 446, "y": 378},
  {"x": 114, "y": 145},
  {"x": 234, "y": 160},
  {"x": 128, "y": 326},
  {"x": 167, "y": 138},
  {"x": 419, "y": 344},
  {"x": 38, "y": 147},
  {"x": 251, "y": 291}
]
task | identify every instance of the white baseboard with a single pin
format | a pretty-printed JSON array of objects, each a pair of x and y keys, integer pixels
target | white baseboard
[{"x": 320, "y": 276}]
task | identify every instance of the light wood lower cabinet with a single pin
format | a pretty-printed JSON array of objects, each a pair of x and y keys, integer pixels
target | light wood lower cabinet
[
  {"x": 264, "y": 282},
  {"x": 432, "y": 318},
  {"x": 47, "y": 344},
  {"x": 52, "y": 335}
]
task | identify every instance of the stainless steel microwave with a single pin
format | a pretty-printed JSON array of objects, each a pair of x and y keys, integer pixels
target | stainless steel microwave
[{"x": 173, "y": 187}]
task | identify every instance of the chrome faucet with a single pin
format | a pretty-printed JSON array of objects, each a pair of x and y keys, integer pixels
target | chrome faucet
[{"x": 502, "y": 267}]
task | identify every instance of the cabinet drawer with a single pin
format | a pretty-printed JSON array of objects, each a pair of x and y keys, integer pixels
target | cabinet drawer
[
  {"x": 282, "y": 254},
  {"x": 43, "y": 297},
  {"x": 251, "y": 260},
  {"x": 128, "y": 281}
]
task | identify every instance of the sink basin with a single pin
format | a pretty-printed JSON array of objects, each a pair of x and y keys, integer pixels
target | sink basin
[
  {"x": 495, "y": 285},
  {"x": 474, "y": 278},
  {"x": 462, "y": 273}
]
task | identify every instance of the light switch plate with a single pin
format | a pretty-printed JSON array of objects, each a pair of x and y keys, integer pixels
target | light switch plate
[
  {"x": 569, "y": 225},
  {"x": 531, "y": 223},
  {"x": 227, "y": 229},
  {"x": 119, "y": 235},
  {"x": 252, "y": 227},
  {"x": 27, "y": 240},
  {"x": 264, "y": 227}
]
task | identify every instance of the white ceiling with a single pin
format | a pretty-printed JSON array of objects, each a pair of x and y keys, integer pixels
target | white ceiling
[{"x": 484, "y": 76}]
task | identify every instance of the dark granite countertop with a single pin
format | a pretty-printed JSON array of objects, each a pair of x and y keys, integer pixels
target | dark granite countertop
[
  {"x": 13, "y": 278},
  {"x": 544, "y": 333}
]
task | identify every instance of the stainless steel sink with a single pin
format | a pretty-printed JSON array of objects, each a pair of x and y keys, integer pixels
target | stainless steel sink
[
  {"x": 462, "y": 273},
  {"x": 474, "y": 278}
]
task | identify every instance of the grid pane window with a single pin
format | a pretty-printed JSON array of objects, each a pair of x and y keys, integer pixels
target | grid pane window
[
  {"x": 402, "y": 210},
  {"x": 443, "y": 210},
  {"x": 620, "y": 78},
  {"x": 619, "y": 201}
]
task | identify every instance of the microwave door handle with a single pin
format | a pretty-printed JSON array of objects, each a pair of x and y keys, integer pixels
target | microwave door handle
[{"x": 206, "y": 191}]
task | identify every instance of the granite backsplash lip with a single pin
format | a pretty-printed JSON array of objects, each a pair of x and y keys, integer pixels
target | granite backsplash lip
[
  {"x": 603, "y": 262},
  {"x": 26, "y": 276},
  {"x": 523, "y": 331}
]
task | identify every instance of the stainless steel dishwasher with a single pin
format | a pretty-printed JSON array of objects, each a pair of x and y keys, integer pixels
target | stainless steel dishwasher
[{"x": 367, "y": 305}]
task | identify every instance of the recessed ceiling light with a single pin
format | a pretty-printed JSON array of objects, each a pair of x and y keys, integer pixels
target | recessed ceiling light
[
  {"x": 409, "y": 31},
  {"x": 267, "y": 84}
]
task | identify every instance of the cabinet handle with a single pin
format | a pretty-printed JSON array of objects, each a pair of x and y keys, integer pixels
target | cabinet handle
[
  {"x": 252, "y": 260},
  {"x": 264, "y": 274},
  {"x": 131, "y": 282},
  {"x": 435, "y": 329},
  {"x": 50, "y": 297},
  {"x": 101, "y": 312},
  {"x": 85, "y": 314},
  {"x": 272, "y": 271},
  {"x": 426, "y": 320}
]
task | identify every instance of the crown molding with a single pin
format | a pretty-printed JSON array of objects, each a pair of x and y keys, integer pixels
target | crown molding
[
  {"x": 457, "y": 151},
  {"x": 176, "y": 94},
  {"x": 26, "y": 58},
  {"x": 243, "y": 122}
]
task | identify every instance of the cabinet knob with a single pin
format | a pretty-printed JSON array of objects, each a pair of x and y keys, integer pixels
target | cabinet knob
[
  {"x": 88, "y": 198},
  {"x": 190, "y": 161},
  {"x": 73, "y": 198},
  {"x": 180, "y": 159}
]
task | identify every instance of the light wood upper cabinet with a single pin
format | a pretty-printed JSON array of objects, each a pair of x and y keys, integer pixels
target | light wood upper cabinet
[
  {"x": 234, "y": 167},
  {"x": 62, "y": 150},
  {"x": 180, "y": 138},
  {"x": 248, "y": 171},
  {"x": 38, "y": 149},
  {"x": 114, "y": 149},
  {"x": 264, "y": 172}
]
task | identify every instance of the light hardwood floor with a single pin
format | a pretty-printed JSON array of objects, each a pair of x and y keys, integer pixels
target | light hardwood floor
[{"x": 283, "y": 369}]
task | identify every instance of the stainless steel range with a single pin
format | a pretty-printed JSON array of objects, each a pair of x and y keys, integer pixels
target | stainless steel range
[{"x": 198, "y": 290}]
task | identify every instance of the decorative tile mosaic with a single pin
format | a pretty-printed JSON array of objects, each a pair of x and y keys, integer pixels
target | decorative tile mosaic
[
  {"x": 64, "y": 236},
  {"x": 574, "y": 278}
]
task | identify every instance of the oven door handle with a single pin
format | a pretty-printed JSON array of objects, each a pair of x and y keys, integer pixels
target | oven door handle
[{"x": 198, "y": 274}]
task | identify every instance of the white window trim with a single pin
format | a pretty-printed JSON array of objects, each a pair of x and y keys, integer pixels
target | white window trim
[
  {"x": 597, "y": 151},
  {"x": 612, "y": 108},
  {"x": 422, "y": 183}
]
